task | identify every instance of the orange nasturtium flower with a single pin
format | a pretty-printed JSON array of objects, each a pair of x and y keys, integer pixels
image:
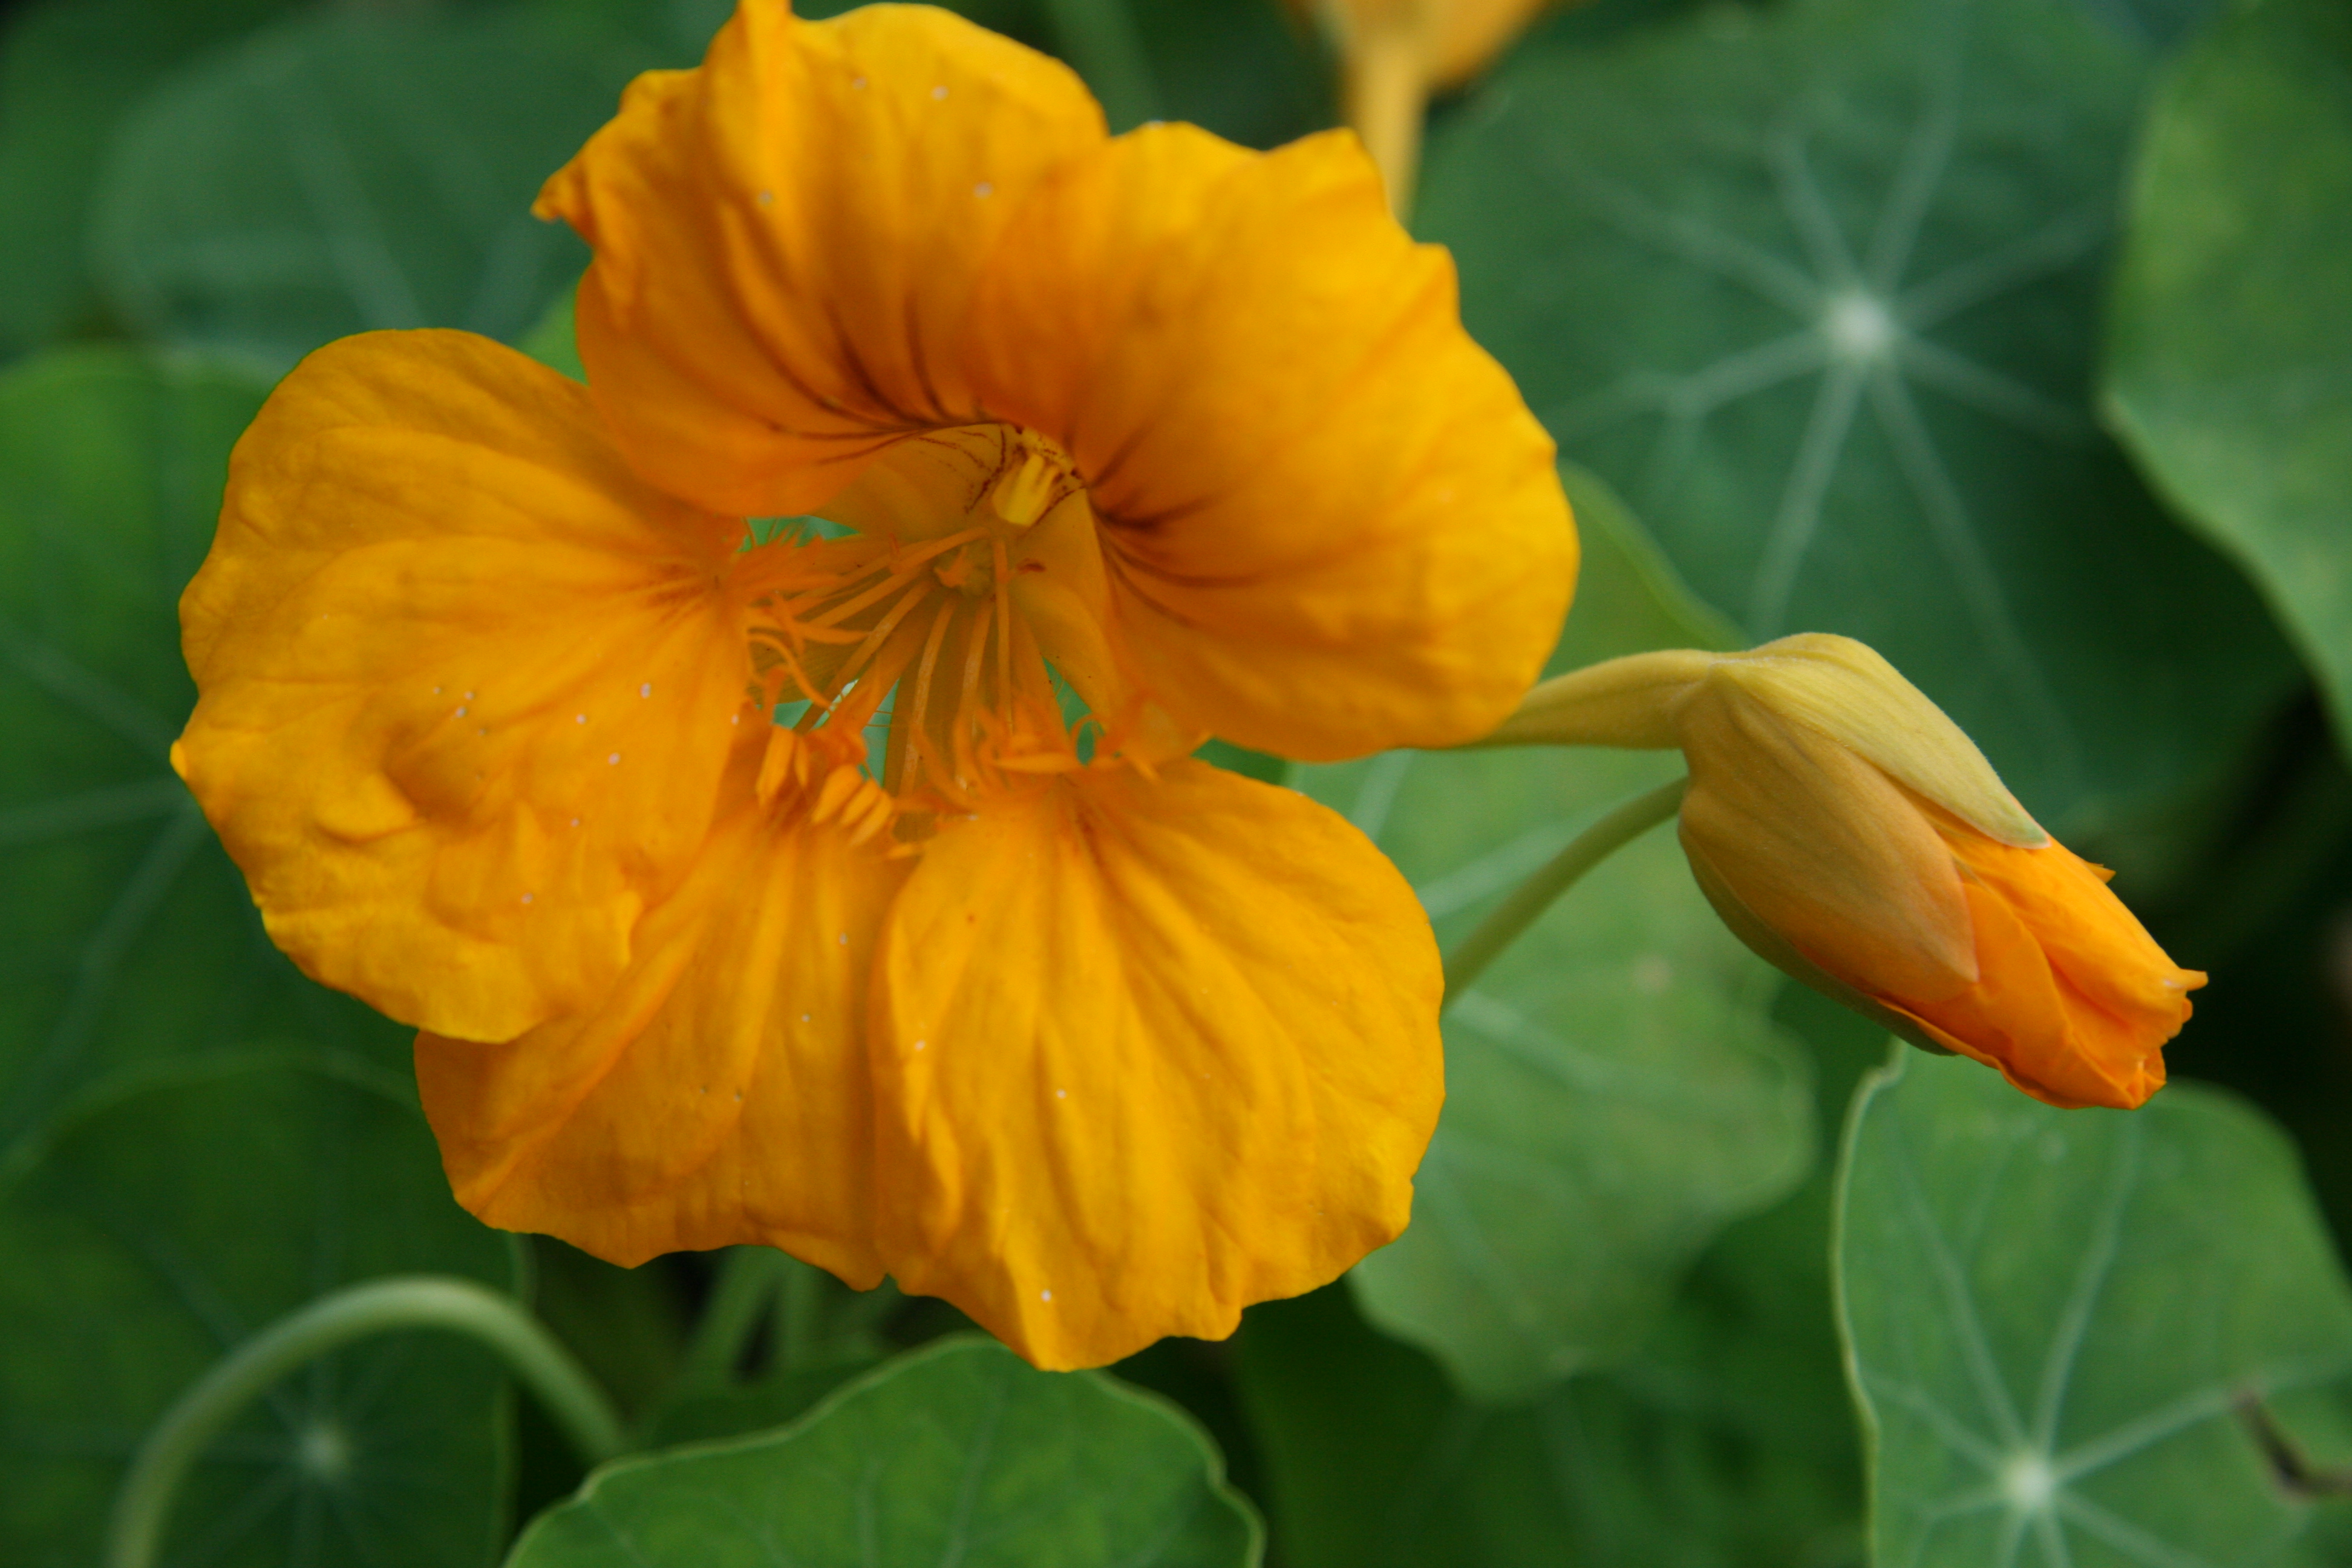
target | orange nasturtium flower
[
  {"x": 519, "y": 733},
  {"x": 1849, "y": 833}
]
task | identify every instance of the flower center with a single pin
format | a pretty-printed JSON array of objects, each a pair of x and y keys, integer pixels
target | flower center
[{"x": 904, "y": 675}]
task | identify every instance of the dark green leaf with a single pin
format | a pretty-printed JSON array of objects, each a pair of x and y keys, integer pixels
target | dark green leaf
[
  {"x": 755, "y": 1407},
  {"x": 2229, "y": 369},
  {"x": 69, "y": 69},
  {"x": 145, "y": 1236},
  {"x": 2158, "y": 24},
  {"x": 1726, "y": 1443},
  {"x": 1728, "y": 1439},
  {"x": 341, "y": 171},
  {"x": 128, "y": 936},
  {"x": 956, "y": 1453},
  {"x": 2066, "y": 1327},
  {"x": 1614, "y": 1092},
  {"x": 1815, "y": 286},
  {"x": 1247, "y": 70}
]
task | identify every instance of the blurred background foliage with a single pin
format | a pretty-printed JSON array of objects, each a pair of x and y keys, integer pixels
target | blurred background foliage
[{"x": 2012, "y": 336}]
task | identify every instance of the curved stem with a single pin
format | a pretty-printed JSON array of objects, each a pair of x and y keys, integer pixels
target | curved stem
[
  {"x": 748, "y": 1280},
  {"x": 1387, "y": 97},
  {"x": 578, "y": 1406},
  {"x": 1531, "y": 898},
  {"x": 800, "y": 1318}
]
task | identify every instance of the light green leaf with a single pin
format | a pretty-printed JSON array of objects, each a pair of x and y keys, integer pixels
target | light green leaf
[
  {"x": 144, "y": 1238},
  {"x": 1814, "y": 286},
  {"x": 1614, "y": 1092},
  {"x": 128, "y": 936},
  {"x": 343, "y": 171},
  {"x": 554, "y": 339},
  {"x": 2230, "y": 364},
  {"x": 956, "y": 1453},
  {"x": 2060, "y": 1324}
]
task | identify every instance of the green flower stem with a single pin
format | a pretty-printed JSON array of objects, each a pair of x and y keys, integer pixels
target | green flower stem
[
  {"x": 739, "y": 1298},
  {"x": 1099, "y": 38},
  {"x": 800, "y": 1318},
  {"x": 1531, "y": 898},
  {"x": 570, "y": 1396}
]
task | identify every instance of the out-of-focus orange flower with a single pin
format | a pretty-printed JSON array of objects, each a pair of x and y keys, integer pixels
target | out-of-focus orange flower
[
  {"x": 766, "y": 892},
  {"x": 1451, "y": 40},
  {"x": 1851, "y": 833},
  {"x": 1394, "y": 52}
]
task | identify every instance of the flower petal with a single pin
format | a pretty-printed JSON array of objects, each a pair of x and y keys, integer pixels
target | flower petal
[
  {"x": 1147, "y": 1052},
  {"x": 1331, "y": 523},
  {"x": 718, "y": 1094},
  {"x": 786, "y": 241},
  {"x": 2077, "y": 1000},
  {"x": 467, "y": 685}
]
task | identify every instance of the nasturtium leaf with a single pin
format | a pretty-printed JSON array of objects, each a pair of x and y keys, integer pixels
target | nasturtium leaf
[
  {"x": 956, "y": 1453},
  {"x": 127, "y": 935},
  {"x": 1614, "y": 1092},
  {"x": 145, "y": 1236},
  {"x": 1726, "y": 1443},
  {"x": 342, "y": 171},
  {"x": 1241, "y": 68},
  {"x": 759, "y": 1406},
  {"x": 2067, "y": 1328},
  {"x": 554, "y": 339},
  {"x": 68, "y": 70},
  {"x": 1814, "y": 287},
  {"x": 2156, "y": 23},
  {"x": 2229, "y": 358}
]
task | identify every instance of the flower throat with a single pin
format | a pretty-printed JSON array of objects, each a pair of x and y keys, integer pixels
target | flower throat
[{"x": 910, "y": 625}]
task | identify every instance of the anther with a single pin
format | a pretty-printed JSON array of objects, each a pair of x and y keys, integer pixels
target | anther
[{"x": 1022, "y": 495}]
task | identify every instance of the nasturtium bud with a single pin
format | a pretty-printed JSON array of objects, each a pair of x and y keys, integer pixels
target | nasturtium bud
[{"x": 1851, "y": 833}]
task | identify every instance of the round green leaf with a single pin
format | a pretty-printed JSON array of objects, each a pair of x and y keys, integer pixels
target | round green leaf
[
  {"x": 2230, "y": 366},
  {"x": 129, "y": 937},
  {"x": 2068, "y": 1330},
  {"x": 1814, "y": 287},
  {"x": 144, "y": 1238},
  {"x": 1614, "y": 1092},
  {"x": 957, "y": 1453},
  {"x": 344, "y": 172}
]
